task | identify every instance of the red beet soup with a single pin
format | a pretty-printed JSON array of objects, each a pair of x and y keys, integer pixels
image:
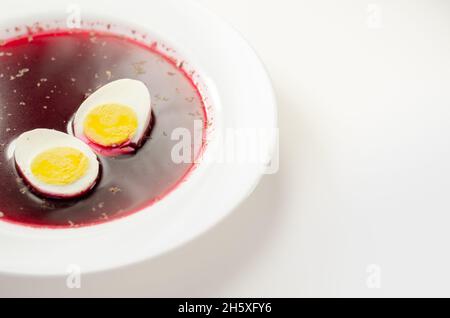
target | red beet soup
[{"x": 43, "y": 81}]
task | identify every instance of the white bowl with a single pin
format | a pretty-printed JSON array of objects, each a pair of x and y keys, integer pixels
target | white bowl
[{"x": 240, "y": 95}]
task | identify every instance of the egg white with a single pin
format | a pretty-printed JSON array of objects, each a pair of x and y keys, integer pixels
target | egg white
[
  {"x": 32, "y": 143},
  {"x": 127, "y": 92}
]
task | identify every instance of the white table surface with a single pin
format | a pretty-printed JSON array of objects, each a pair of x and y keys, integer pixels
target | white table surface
[{"x": 364, "y": 103}]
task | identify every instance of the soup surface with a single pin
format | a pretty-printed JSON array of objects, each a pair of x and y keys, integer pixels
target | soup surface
[{"x": 43, "y": 81}]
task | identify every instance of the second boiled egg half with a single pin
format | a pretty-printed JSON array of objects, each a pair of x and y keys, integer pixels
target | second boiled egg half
[{"x": 115, "y": 118}]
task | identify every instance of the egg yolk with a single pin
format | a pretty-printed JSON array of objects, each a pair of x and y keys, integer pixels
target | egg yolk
[
  {"x": 111, "y": 125},
  {"x": 60, "y": 166}
]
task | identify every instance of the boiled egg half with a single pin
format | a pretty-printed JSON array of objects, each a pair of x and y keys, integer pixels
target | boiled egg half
[
  {"x": 115, "y": 118},
  {"x": 56, "y": 165}
]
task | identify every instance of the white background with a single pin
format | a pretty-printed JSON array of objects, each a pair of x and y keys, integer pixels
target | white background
[{"x": 364, "y": 102}]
